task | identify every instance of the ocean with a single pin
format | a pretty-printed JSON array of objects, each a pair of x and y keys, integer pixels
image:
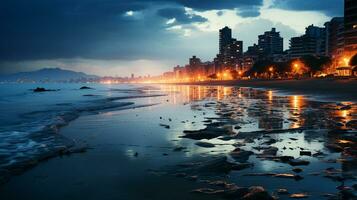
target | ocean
[{"x": 30, "y": 120}]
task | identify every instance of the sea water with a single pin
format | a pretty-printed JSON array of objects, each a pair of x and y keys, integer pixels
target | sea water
[{"x": 30, "y": 120}]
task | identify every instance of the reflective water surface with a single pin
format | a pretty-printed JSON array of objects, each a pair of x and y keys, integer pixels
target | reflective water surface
[{"x": 168, "y": 146}]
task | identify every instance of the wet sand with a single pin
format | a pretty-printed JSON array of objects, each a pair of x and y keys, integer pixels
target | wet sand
[{"x": 151, "y": 152}]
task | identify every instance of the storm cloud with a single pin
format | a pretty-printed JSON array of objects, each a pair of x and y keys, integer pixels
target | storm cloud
[
  {"x": 329, "y": 7},
  {"x": 125, "y": 30}
]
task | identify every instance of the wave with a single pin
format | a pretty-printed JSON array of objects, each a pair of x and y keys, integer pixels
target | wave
[{"x": 37, "y": 138}]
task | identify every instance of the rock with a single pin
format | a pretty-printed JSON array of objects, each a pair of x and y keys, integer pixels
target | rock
[
  {"x": 41, "y": 89},
  {"x": 269, "y": 142},
  {"x": 318, "y": 154},
  {"x": 296, "y": 162},
  {"x": 179, "y": 148},
  {"x": 240, "y": 155},
  {"x": 237, "y": 127},
  {"x": 209, "y": 191},
  {"x": 297, "y": 170},
  {"x": 85, "y": 88},
  {"x": 136, "y": 154},
  {"x": 206, "y": 133},
  {"x": 270, "y": 151},
  {"x": 305, "y": 153},
  {"x": 285, "y": 158},
  {"x": 352, "y": 124},
  {"x": 257, "y": 193},
  {"x": 299, "y": 195},
  {"x": 165, "y": 126},
  {"x": 334, "y": 147},
  {"x": 241, "y": 166},
  {"x": 282, "y": 191},
  {"x": 205, "y": 144}
]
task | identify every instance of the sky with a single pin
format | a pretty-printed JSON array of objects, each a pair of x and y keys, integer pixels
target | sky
[{"x": 120, "y": 37}]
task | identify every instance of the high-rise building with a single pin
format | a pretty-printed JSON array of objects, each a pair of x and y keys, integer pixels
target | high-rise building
[
  {"x": 271, "y": 43},
  {"x": 225, "y": 37},
  {"x": 195, "y": 67},
  {"x": 350, "y": 27},
  {"x": 335, "y": 42},
  {"x": 313, "y": 42},
  {"x": 335, "y": 37},
  {"x": 233, "y": 52},
  {"x": 230, "y": 51}
]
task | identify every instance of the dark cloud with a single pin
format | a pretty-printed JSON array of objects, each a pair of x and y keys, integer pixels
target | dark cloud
[
  {"x": 180, "y": 15},
  {"x": 249, "y": 11},
  {"x": 68, "y": 29},
  {"x": 329, "y": 7},
  {"x": 94, "y": 29},
  {"x": 99, "y": 29},
  {"x": 218, "y": 5},
  {"x": 220, "y": 13}
]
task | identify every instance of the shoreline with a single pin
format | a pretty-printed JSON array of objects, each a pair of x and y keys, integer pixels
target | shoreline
[
  {"x": 49, "y": 144},
  {"x": 321, "y": 89},
  {"x": 129, "y": 153}
]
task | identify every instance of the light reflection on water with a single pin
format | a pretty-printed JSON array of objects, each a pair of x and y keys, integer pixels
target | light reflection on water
[{"x": 263, "y": 110}]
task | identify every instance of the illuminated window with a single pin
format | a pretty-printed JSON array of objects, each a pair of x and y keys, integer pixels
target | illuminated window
[{"x": 355, "y": 26}]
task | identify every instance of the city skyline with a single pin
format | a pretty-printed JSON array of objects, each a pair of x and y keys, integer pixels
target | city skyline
[{"x": 128, "y": 45}]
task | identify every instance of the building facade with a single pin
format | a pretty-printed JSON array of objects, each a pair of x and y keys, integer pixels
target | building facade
[
  {"x": 350, "y": 25},
  {"x": 313, "y": 42},
  {"x": 271, "y": 43},
  {"x": 225, "y": 37}
]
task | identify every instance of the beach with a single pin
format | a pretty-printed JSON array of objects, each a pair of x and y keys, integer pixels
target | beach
[{"x": 203, "y": 142}]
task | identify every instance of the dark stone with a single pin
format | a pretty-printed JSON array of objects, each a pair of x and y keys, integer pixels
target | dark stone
[
  {"x": 165, "y": 126},
  {"x": 205, "y": 144},
  {"x": 305, "y": 153},
  {"x": 352, "y": 124},
  {"x": 85, "y": 88},
  {"x": 296, "y": 162},
  {"x": 297, "y": 170},
  {"x": 41, "y": 89},
  {"x": 257, "y": 193},
  {"x": 179, "y": 148},
  {"x": 240, "y": 155}
]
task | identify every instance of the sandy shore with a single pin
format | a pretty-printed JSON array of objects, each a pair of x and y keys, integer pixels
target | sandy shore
[{"x": 326, "y": 89}]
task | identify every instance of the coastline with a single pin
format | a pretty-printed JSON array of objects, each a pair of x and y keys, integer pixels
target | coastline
[
  {"x": 130, "y": 150},
  {"x": 319, "y": 89}
]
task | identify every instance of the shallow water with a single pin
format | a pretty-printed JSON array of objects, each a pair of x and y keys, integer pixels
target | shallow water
[
  {"x": 30, "y": 120},
  {"x": 132, "y": 157}
]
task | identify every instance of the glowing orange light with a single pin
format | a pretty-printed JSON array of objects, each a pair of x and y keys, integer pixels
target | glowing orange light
[
  {"x": 271, "y": 69},
  {"x": 346, "y": 61},
  {"x": 270, "y": 95}
]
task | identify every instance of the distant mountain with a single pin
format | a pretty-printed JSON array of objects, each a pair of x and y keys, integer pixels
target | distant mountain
[{"x": 47, "y": 75}]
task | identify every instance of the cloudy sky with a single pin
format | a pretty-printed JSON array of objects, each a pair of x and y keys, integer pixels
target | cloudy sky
[{"x": 120, "y": 37}]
